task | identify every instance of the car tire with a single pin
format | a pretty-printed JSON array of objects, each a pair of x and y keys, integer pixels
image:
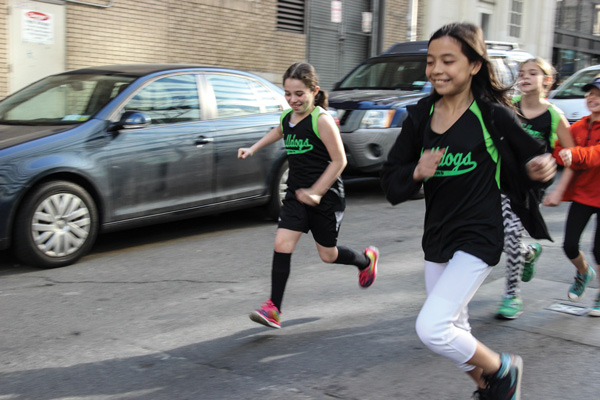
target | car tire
[
  {"x": 278, "y": 189},
  {"x": 55, "y": 226}
]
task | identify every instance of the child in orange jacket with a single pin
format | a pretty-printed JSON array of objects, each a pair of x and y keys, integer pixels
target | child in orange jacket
[{"x": 580, "y": 186}]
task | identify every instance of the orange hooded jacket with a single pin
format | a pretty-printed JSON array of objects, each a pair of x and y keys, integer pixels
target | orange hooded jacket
[{"x": 584, "y": 188}]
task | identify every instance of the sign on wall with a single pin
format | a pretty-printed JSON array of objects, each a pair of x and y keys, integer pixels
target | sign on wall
[{"x": 37, "y": 27}]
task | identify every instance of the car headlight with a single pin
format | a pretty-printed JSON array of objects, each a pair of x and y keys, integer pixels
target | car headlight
[{"x": 377, "y": 119}]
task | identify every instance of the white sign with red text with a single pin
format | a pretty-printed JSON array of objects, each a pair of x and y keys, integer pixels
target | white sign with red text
[{"x": 38, "y": 27}]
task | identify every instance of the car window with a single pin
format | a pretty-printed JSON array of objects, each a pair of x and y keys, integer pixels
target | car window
[
  {"x": 391, "y": 73},
  {"x": 266, "y": 97},
  {"x": 168, "y": 100},
  {"x": 572, "y": 89},
  {"x": 62, "y": 99},
  {"x": 234, "y": 96}
]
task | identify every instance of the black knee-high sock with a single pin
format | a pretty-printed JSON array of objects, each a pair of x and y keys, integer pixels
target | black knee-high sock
[
  {"x": 279, "y": 276},
  {"x": 350, "y": 256}
]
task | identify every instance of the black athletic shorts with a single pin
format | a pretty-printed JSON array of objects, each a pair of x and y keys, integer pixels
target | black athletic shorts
[{"x": 322, "y": 220}]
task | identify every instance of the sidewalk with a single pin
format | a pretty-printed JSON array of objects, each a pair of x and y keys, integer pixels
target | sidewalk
[{"x": 539, "y": 296}]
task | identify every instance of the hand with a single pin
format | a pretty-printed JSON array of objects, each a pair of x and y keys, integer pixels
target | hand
[
  {"x": 308, "y": 198},
  {"x": 553, "y": 199},
  {"x": 541, "y": 168},
  {"x": 244, "y": 152},
  {"x": 566, "y": 156},
  {"x": 428, "y": 163}
]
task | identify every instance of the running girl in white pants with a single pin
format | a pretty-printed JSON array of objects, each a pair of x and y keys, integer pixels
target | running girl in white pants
[{"x": 450, "y": 145}]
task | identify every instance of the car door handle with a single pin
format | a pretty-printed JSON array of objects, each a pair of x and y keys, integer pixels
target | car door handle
[{"x": 201, "y": 141}]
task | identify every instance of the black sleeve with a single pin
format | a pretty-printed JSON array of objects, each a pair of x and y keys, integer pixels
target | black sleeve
[
  {"x": 519, "y": 146},
  {"x": 522, "y": 144},
  {"x": 397, "y": 173}
]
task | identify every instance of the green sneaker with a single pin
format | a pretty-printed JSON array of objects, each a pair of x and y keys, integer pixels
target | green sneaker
[
  {"x": 510, "y": 307},
  {"x": 529, "y": 264},
  {"x": 595, "y": 311},
  {"x": 577, "y": 289}
]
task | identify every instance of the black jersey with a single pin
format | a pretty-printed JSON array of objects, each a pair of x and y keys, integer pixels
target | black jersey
[
  {"x": 463, "y": 209},
  {"x": 307, "y": 155},
  {"x": 543, "y": 127}
]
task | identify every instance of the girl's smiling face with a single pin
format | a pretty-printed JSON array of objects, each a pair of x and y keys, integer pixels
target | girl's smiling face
[
  {"x": 298, "y": 96},
  {"x": 448, "y": 69}
]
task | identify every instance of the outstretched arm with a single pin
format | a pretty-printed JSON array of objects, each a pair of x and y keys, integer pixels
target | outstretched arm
[{"x": 271, "y": 137}]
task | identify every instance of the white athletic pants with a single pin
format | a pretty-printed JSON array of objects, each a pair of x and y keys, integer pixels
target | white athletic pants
[{"x": 443, "y": 322}]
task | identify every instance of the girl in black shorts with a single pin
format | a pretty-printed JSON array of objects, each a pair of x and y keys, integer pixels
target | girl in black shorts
[{"x": 315, "y": 192}]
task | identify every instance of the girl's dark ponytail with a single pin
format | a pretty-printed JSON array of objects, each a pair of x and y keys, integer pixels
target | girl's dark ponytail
[{"x": 321, "y": 99}]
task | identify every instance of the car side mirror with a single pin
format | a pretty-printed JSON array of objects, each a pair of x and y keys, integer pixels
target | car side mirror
[{"x": 133, "y": 120}]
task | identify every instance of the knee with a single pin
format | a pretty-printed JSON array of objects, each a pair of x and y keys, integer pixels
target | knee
[
  {"x": 571, "y": 249},
  {"x": 283, "y": 245},
  {"x": 328, "y": 256},
  {"x": 430, "y": 332}
]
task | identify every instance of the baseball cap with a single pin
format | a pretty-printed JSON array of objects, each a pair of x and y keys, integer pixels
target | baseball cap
[{"x": 594, "y": 84}]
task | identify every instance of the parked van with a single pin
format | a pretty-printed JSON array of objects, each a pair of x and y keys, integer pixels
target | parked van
[{"x": 370, "y": 102}]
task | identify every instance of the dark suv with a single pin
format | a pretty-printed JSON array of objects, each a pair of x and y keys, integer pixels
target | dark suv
[{"x": 370, "y": 102}]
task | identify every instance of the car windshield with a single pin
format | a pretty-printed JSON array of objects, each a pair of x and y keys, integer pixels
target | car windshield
[
  {"x": 572, "y": 89},
  {"x": 61, "y": 99},
  {"x": 388, "y": 73}
]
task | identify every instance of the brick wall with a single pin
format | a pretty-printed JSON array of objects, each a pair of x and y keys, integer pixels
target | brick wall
[
  {"x": 396, "y": 23},
  {"x": 228, "y": 33}
]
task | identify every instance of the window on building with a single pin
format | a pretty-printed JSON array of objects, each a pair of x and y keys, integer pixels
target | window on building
[
  {"x": 290, "y": 15},
  {"x": 485, "y": 24},
  {"x": 516, "y": 15},
  {"x": 596, "y": 29}
]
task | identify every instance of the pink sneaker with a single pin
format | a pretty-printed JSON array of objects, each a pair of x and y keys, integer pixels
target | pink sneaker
[
  {"x": 267, "y": 315},
  {"x": 366, "y": 277}
]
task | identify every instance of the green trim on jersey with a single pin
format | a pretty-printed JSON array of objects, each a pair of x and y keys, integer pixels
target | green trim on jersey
[
  {"x": 555, "y": 117},
  {"x": 489, "y": 142},
  {"x": 314, "y": 115},
  {"x": 283, "y": 115}
]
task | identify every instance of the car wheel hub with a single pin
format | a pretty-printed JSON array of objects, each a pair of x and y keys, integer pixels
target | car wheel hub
[{"x": 60, "y": 225}]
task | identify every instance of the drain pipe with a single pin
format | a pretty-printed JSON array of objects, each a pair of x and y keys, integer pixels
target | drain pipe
[
  {"x": 412, "y": 18},
  {"x": 85, "y": 3}
]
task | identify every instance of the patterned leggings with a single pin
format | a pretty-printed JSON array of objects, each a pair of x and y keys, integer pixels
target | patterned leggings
[{"x": 513, "y": 247}]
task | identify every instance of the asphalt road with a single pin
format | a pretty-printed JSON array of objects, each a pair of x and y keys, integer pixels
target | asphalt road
[{"x": 161, "y": 313}]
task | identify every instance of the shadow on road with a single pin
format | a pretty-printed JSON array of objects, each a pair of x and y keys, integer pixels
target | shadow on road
[{"x": 355, "y": 188}]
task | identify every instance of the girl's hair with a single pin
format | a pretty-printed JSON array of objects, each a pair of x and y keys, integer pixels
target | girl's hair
[
  {"x": 485, "y": 83},
  {"x": 307, "y": 74},
  {"x": 546, "y": 68}
]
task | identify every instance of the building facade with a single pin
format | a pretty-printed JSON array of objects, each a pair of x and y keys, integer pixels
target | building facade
[
  {"x": 529, "y": 23},
  {"x": 40, "y": 37},
  {"x": 266, "y": 36},
  {"x": 576, "y": 35}
]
